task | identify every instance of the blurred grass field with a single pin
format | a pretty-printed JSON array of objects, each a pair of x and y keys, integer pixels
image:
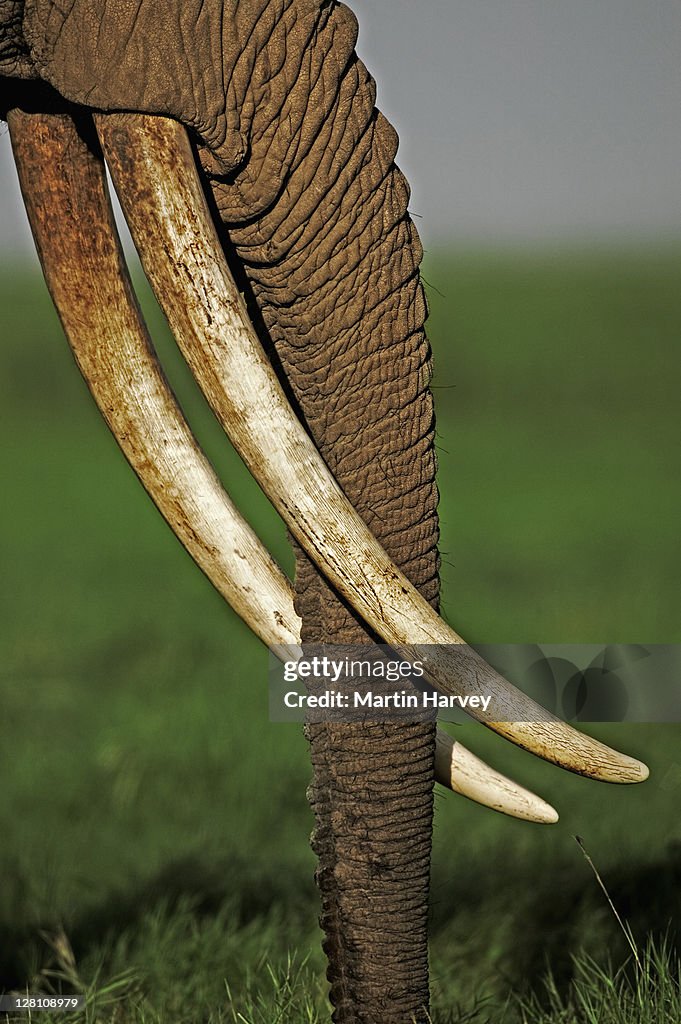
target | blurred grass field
[{"x": 154, "y": 823}]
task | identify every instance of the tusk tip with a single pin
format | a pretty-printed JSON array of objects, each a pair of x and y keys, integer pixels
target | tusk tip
[
  {"x": 532, "y": 808},
  {"x": 560, "y": 744},
  {"x": 460, "y": 770},
  {"x": 640, "y": 771},
  {"x": 547, "y": 815},
  {"x": 620, "y": 768}
]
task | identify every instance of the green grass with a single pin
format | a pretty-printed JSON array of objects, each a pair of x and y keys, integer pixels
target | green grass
[
  {"x": 156, "y": 821},
  {"x": 649, "y": 993}
]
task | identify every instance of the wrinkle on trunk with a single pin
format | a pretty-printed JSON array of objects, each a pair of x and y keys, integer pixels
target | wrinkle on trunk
[
  {"x": 332, "y": 265},
  {"x": 14, "y": 56},
  {"x": 372, "y": 838},
  {"x": 303, "y": 177}
]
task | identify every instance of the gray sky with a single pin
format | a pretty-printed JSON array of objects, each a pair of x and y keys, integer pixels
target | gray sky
[{"x": 518, "y": 119}]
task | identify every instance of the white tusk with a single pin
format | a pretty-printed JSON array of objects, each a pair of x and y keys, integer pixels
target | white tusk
[
  {"x": 468, "y": 775},
  {"x": 153, "y": 168},
  {"x": 67, "y": 201}
]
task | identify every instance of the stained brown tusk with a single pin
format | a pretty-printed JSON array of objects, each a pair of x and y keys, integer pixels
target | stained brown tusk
[
  {"x": 67, "y": 201},
  {"x": 155, "y": 175},
  {"x": 64, "y": 188}
]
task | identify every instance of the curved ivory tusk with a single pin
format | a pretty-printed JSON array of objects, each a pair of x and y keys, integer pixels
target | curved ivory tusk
[
  {"x": 471, "y": 777},
  {"x": 153, "y": 168},
  {"x": 64, "y": 189},
  {"x": 66, "y": 197}
]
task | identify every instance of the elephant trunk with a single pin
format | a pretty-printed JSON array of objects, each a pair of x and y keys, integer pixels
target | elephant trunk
[
  {"x": 372, "y": 838},
  {"x": 303, "y": 179},
  {"x": 332, "y": 264}
]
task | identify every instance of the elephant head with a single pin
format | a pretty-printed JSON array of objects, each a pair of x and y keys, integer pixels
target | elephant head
[{"x": 245, "y": 146}]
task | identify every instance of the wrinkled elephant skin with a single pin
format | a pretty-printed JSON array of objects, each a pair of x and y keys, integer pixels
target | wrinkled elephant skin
[{"x": 314, "y": 218}]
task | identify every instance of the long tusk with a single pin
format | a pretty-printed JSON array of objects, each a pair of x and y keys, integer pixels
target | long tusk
[
  {"x": 64, "y": 189},
  {"x": 153, "y": 168},
  {"x": 68, "y": 206}
]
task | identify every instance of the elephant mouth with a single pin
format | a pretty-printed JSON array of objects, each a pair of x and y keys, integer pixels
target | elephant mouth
[{"x": 62, "y": 175}]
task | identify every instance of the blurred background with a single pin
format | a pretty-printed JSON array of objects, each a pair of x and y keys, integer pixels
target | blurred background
[
  {"x": 521, "y": 119},
  {"x": 155, "y": 822}
]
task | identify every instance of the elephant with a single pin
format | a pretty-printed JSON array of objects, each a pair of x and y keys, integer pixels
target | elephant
[{"x": 260, "y": 185}]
